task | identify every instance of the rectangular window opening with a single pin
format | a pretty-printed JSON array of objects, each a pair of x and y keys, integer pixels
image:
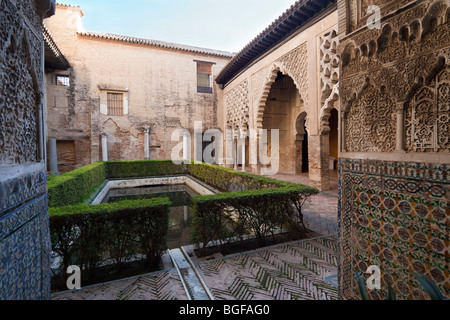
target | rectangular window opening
[
  {"x": 204, "y": 77},
  {"x": 115, "y": 104},
  {"x": 63, "y": 81}
]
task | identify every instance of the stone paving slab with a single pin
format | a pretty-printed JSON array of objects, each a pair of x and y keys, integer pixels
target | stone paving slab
[
  {"x": 321, "y": 210},
  {"x": 321, "y": 214},
  {"x": 295, "y": 271}
]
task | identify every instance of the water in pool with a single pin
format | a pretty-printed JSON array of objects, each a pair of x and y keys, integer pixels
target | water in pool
[{"x": 179, "y": 219}]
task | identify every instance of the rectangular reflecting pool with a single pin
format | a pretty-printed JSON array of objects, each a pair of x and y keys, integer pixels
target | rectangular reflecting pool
[
  {"x": 179, "y": 218},
  {"x": 179, "y": 189}
]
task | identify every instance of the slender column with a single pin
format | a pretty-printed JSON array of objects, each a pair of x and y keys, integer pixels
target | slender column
[
  {"x": 400, "y": 127},
  {"x": 186, "y": 146},
  {"x": 228, "y": 161},
  {"x": 147, "y": 144},
  {"x": 235, "y": 153},
  {"x": 104, "y": 147},
  {"x": 253, "y": 149},
  {"x": 52, "y": 156},
  {"x": 243, "y": 140}
]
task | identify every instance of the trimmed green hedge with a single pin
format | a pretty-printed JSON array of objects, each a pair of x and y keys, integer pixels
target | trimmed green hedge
[
  {"x": 75, "y": 187},
  {"x": 139, "y": 169},
  {"x": 249, "y": 203},
  {"x": 86, "y": 235},
  {"x": 228, "y": 180},
  {"x": 217, "y": 218}
]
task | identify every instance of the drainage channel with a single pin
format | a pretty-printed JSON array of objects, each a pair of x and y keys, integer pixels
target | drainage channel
[{"x": 192, "y": 282}]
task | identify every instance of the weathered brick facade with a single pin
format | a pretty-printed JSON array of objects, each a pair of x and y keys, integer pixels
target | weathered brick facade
[{"x": 156, "y": 81}]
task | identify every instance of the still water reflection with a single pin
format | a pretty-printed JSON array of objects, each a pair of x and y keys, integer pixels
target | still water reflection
[{"x": 179, "y": 218}]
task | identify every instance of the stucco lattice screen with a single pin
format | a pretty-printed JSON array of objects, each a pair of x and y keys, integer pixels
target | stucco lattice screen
[
  {"x": 329, "y": 65},
  {"x": 237, "y": 104}
]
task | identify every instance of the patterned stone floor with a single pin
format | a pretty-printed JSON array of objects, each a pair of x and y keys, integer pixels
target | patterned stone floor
[
  {"x": 164, "y": 285},
  {"x": 289, "y": 272}
]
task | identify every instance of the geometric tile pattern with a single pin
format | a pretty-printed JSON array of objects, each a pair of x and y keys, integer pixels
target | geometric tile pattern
[
  {"x": 394, "y": 215},
  {"x": 295, "y": 271},
  {"x": 165, "y": 285},
  {"x": 24, "y": 239}
]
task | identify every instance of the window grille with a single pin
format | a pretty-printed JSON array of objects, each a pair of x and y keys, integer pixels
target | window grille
[{"x": 115, "y": 104}]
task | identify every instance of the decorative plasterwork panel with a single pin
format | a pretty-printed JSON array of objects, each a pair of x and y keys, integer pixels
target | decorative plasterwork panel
[
  {"x": 20, "y": 91},
  {"x": 403, "y": 56},
  {"x": 427, "y": 117},
  {"x": 371, "y": 123},
  {"x": 295, "y": 65},
  {"x": 359, "y": 13},
  {"x": 237, "y": 106}
]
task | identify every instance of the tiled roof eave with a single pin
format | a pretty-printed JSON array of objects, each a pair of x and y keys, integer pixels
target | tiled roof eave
[
  {"x": 297, "y": 16},
  {"x": 155, "y": 43},
  {"x": 53, "y": 52}
]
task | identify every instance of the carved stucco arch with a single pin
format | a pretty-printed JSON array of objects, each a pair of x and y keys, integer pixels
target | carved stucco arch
[
  {"x": 325, "y": 112},
  {"x": 275, "y": 68}
]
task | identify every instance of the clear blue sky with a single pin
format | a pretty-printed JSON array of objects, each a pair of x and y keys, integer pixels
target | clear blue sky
[{"x": 222, "y": 25}]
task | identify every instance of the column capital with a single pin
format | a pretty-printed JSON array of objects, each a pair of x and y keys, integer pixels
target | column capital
[{"x": 400, "y": 106}]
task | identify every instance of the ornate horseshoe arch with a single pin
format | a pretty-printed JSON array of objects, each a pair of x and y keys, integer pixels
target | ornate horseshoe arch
[{"x": 294, "y": 65}]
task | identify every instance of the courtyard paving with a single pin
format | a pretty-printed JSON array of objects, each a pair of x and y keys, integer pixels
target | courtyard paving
[
  {"x": 295, "y": 271},
  {"x": 321, "y": 211},
  {"x": 165, "y": 285},
  {"x": 302, "y": 270}
]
